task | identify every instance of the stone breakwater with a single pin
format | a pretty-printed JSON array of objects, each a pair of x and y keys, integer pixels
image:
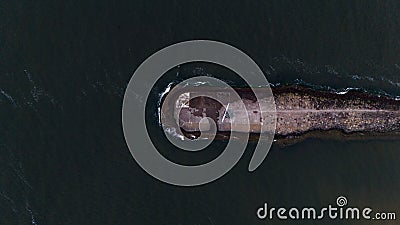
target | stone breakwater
[{"x": 299, "y": 110}]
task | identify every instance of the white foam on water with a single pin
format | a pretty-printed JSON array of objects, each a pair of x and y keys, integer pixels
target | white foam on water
[{"x": 7, "y": 96}]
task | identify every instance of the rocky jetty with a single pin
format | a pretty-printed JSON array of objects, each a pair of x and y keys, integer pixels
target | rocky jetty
[{"x": 299, "y": 111}]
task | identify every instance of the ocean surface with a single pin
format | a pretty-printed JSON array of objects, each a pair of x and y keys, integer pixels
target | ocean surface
[{"x": 64, "y": 67}]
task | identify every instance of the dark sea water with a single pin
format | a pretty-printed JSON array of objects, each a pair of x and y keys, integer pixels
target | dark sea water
[{"x": 64, "y": 67}]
